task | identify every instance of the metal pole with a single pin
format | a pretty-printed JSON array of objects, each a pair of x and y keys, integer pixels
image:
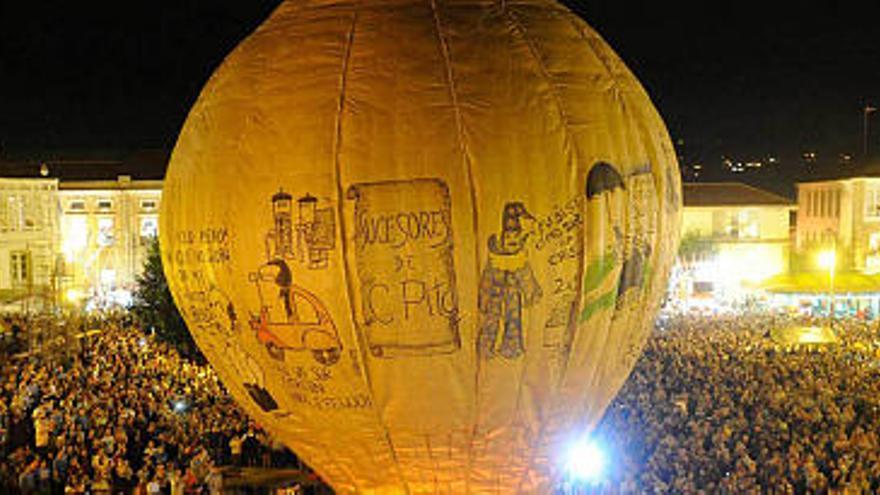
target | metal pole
[
  {"x": 867, "y": 111},
  {"x": 831, "y": 294}
]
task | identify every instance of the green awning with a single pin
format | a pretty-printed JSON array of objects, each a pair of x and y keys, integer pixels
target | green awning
[{"x": 817, "y": 282}]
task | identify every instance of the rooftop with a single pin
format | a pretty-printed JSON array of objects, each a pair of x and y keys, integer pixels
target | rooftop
[
  {"x": 867, "y": 170},
  {"x": 730, "y": 194},
  {"x": 140, "y": 165}
]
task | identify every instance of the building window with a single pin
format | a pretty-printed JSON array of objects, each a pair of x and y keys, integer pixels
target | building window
[
  {"x": 78, "y": 205},
  {"x": 105, "y": 204},
  {"x": 742, "y": 224},
  {"x": 872, "y": 202},
  {"x": 106, "y": 235},
  {"x": 872, "y": 260},
  {"x": 20, "y": 266},
  {"x": 748, "y": 225},
  {"x": 75, "y": 234},
  {"x": 148, "y": 204},
  {"x": 874, "y": 243},
  {"x": 149, "y": 228},
  {"x": 15, "y": 213},
  {"x": 108, "y": 278},
  {"x": 703, "y": 288}
]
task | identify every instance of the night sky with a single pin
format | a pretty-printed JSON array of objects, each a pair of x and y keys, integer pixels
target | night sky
[{"x": 743, "y": 82}]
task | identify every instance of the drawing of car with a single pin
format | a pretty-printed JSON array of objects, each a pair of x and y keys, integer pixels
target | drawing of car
[{"x": 291, "y": 318}]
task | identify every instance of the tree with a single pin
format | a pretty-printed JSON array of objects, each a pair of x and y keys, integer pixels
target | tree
[
  {"x": 154, "y": 307},
  {"x": 693, "y": 248}
]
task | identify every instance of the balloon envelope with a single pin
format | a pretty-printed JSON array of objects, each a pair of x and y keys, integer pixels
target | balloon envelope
[{"x": 380, "y": 226}]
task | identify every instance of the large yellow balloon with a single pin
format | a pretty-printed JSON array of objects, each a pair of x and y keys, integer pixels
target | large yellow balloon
[{"x": 422, "y": 242}]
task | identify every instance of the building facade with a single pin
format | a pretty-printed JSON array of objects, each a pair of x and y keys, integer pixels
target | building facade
[
  {"x": 843, "y": 214},
  {"x": 80, "y": 242},
  {"x": 734, "y": 236},
  {"x": 29, "y": 239},
  {"x": 106, "y": 227}
]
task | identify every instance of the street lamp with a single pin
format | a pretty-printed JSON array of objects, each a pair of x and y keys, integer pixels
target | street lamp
[{"x": 827, "y": 260}]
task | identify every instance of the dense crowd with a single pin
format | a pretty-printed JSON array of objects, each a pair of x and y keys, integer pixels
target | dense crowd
[
  {"x": 122, "y": 413},
  {"x": 715, "y": 405}
]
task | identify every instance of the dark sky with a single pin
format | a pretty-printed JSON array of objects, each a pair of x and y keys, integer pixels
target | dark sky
[
  {"x": 740, "y": 80},
  {"x": 751, "y": 82}
]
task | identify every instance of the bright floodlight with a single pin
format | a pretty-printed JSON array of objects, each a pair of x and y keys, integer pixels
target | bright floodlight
[
  {"x": 827, "y": 259},
  {"x": 585, "y": 461},
  {"x": 73, "y": 295}
]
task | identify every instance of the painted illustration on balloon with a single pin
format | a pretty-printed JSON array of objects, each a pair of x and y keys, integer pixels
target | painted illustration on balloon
[
  {"x": 640, "y": 232},
  {"x": 245, "y": 366},
  {"x": 212, "y": 313},
  {"x": 635, "y": 269},
  {"x": 403, "y": 246},
  {"x": 620, "y": 250},
  {"x": 605, "y": 192},
  {"x": 673, "y": 188},
  {"x": 292, "y": 318},
  {"x": 640, "y": 258},
  {"x": 559, "y": 239},
  {"x": 507, "y": 285},
  {"x": 308, "y": 238}
]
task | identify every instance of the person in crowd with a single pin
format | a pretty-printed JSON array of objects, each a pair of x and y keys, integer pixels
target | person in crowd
[{"x": 235, "y": 449}]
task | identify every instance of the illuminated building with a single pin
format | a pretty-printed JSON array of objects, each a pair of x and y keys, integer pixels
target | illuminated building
[
  {"x": 733, "y": 237},
  {"x": 844, "y": 212},
  {"x": 76, "y": 231},
  {"x": 840, "y": 216},
  {"x": 105, "y": 229},
  {"x": 29, "y": 238}
]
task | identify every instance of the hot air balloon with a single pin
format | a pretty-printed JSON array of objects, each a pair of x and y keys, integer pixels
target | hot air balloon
[{"x": 422, "y": 242}]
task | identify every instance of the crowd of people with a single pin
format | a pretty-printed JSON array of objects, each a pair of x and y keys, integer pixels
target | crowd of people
[
  {"x": 716, "y": 405},
  {"x": 121, "y": 414}
]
